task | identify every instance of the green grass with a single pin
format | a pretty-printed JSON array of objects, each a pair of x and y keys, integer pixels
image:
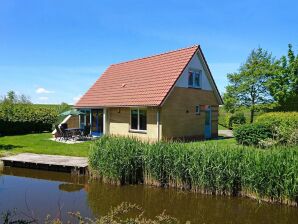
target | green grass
[{"x": 40, "y": 144}]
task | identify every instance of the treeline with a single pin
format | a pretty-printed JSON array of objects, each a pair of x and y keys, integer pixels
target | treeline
[
  {"x": 213, "y": 169},
  {"x": 264, "y": 83},
  {"x": 19, "y": 116}
]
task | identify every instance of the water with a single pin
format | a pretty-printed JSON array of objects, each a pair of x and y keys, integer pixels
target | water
[{"x": 38, "y": 193}]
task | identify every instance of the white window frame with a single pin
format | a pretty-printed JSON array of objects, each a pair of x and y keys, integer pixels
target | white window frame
[
  {"x": 194, "y": 73},
  {"x": 199, "y": 109},
  {"x": 138, "y": 130}
]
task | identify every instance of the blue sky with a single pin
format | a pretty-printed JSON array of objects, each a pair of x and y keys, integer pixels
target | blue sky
[{"x": 54, "y": 50}]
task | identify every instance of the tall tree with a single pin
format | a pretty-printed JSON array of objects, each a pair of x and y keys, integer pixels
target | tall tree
[
  {"x": 248, "y": 87},
  {"x": 283, "y": 83}
]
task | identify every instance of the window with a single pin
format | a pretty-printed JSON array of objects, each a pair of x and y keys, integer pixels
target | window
[
  {"x": 194, "y": 79},
  {"x": 197, "y": 109},
  {"x": 190, "y": 79},
  {"x": 138, "y": 120}
]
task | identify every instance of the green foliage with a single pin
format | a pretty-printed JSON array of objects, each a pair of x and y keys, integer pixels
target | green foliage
[
  {"x": 252, "y": 134},
  {"x": 235, "y": 120},
  {"x": 283, "y": 124},
  {"x": 248, "y": 86},
  {"x": 211, "y": 168},
  {"x": 118, "y": 160},
  {"x": 25, "y": 118},
  {"x": 283, "y": 83}
]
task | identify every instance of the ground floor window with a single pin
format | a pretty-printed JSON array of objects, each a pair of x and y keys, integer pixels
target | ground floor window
[{"x": 138, "y": 119}]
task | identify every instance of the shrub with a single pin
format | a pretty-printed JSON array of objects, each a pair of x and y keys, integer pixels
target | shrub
[
  {"x": 211, "y": 168},
  {"x": 285, "y": 125},
  {"x": 26, "y": 118},
  {"x": 252, "y": 134},
  {"x": 235, "y": 120}
]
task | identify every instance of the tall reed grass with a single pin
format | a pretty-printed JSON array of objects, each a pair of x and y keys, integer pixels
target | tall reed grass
[{"x": 209, "y": 168}]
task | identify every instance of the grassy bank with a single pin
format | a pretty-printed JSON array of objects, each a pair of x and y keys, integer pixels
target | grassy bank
[
  {"x": 40, "y": 144},
  {"x": 202, "y": 167}
]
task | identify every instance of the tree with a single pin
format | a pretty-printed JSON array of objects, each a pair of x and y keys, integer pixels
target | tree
[
  {"x": 12, "y": 98},
  {"x": 248, "y": 87},
  {"x": 283, "y": 83}
]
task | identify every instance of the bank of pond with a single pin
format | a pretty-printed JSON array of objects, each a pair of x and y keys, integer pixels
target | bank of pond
[{"x": 264, "y": 174}]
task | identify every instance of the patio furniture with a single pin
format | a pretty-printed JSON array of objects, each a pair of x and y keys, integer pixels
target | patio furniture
[
  {"x": 74, "y": 133},
  {"x": 66, "y": 135},
  {"x": 59, "y": 134},
  {"x": 86, "y": 133}
]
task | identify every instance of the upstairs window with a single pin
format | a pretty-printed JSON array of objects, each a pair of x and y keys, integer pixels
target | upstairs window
[
  {"x": 138, "y": 120},
  {"x": 194, "y": 79}
]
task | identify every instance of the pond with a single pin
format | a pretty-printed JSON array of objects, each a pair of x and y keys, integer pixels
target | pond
[{"x": 39, "y": 193}]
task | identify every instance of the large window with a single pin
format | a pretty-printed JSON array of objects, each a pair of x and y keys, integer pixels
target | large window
[
  {"x": 194, "y": 79},
  {"x": 138, "y": 119}
]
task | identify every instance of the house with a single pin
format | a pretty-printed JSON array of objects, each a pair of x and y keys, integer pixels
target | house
[{"x": 166, "y": 96}]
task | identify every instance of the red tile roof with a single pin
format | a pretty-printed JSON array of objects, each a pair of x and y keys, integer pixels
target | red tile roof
[{"x": 141, "y": 82}]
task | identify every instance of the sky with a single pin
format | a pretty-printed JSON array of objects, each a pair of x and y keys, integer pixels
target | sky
[{"x": 53, "y": 50}]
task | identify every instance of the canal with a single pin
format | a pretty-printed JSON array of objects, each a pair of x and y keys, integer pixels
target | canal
[{"x": 39, "y": 193}]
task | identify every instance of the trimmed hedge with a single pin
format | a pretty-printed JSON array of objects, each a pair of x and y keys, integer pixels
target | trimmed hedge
[
  {"x": 252, "y": 134},
  {"x": 26, "y": 118},
  {"x": 270, "y": 129},
  {"x": 265, "y": 174}
]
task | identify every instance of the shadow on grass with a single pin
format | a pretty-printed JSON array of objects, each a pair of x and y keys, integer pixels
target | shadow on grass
[{"x": 9, "y": 147}]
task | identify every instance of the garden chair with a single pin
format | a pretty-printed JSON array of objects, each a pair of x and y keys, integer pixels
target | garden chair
[
  {"x": 65, "y": 134},
  {"x": 86, "y": 133},
  {"x": 59, "y": 134}
]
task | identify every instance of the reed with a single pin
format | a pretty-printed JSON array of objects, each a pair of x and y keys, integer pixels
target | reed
[{"x": 209, "y": 168}]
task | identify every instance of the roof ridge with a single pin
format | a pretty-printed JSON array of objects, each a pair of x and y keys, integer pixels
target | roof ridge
[{"x": 155, "y": 55}]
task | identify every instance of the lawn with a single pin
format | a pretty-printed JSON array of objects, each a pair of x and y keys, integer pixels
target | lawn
[{"x": 40, "y": 143}]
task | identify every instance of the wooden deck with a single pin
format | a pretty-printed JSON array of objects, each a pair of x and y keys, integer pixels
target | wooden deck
[{"x": 48, "y": 162}]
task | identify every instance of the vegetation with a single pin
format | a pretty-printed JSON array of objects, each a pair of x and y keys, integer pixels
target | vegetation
[
  {"x": 270, "y": 129},
  {"x": 234, "y": 120},
  {"x": 209, "y": 168},
  {"x": 125, "y": 213},
  {"x": 264, "y": 83},
  {"x": 253, "y": 134},
  {"x": 19, "y": 116},
  {"x": 40, "y": 144}
]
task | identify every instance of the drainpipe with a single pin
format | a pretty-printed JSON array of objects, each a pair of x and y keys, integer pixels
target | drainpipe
[
  {"x": 158, "y": 124},
  {"x": 104, "y": 121}
]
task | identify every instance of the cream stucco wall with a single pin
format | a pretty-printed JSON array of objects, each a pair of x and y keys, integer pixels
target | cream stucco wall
[{"x": 119, "y": 123}]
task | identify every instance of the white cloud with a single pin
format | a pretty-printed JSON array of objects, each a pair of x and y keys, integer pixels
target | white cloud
[
  {"x": 43, "y": 98},
  {"x": 41, "y": 90}
]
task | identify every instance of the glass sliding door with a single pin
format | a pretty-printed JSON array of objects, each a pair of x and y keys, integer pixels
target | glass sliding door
[{"x": 96, "y": 122}]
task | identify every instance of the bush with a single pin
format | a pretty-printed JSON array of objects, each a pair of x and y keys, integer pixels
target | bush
[
  {"x": 235, "y": 120},
  {"x": 26, "y": 118},
  {"x": 284, "y": 124},
  {"x": 252, "y": 134},
  {"x": 269, "y": 174}
]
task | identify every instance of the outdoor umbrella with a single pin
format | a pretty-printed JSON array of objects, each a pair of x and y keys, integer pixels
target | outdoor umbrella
[{"x": 72, "y": 112}]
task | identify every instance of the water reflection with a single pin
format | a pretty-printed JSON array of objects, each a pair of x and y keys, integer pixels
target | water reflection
[{"x": 93, "y": 198}]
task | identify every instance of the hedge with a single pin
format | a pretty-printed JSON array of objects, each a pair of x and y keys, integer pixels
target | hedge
[
  {"x": 26, "y": 118},
  {"x": 252, "y": 134},
  {"x": 215, "y": 169}
]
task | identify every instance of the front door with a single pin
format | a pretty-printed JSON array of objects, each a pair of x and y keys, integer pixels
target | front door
[
  {"x": 97, "y": 122},
  {"x": 207, "y": 122}
]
